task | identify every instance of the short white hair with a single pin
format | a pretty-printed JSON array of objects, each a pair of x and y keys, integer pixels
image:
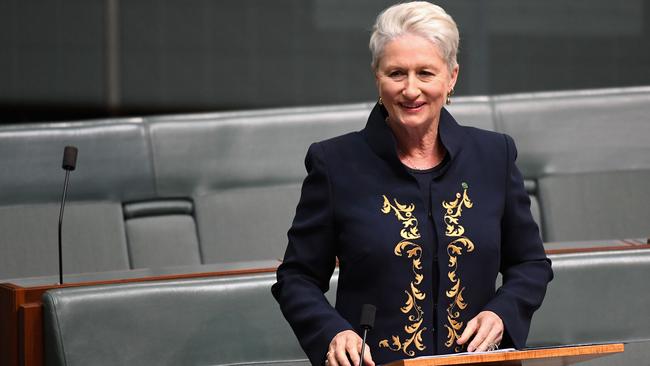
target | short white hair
[{"x": 419, "y": 18}]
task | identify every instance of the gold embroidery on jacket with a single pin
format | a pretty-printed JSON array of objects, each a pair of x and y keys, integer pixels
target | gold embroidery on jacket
[
  {"x": 414, "y": 295},
  {"x": 455, "y": 249}
]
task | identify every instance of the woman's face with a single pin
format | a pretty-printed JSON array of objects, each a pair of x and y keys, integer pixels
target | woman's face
[{"x": 413, "y": 81}]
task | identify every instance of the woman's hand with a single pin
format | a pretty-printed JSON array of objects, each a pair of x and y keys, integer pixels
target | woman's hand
[
  {"x": 487, "y": 329},
  {"x": 344, "y": 344}
]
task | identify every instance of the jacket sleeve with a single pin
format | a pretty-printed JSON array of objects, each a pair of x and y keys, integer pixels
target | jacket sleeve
[
  {"x": 525, "y": 268},
  {"x": 309, "y": 261}
]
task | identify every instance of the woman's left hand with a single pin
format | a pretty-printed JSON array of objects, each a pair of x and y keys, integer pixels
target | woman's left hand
[{"x": 487, "y": 329}]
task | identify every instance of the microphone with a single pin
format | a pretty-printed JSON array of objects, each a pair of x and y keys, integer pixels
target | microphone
[
  {"x": 69, "y": 164},
  {"x": 69, "y": 158},
  {"x": 367, "y": 322}
]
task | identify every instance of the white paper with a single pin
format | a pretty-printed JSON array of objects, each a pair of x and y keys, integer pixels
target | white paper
[{"x": 467, "y": 353}]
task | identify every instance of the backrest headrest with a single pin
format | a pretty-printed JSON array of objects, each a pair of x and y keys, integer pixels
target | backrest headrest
[
  {"x": 473, "y": 111},
  {"x": 199, "y": 155},
  {"x": 113, "y": 161},
  {"x": 578, "y": 131}
]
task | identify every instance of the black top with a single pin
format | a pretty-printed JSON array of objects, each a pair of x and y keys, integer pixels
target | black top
[{"x": 426, "y": 178}]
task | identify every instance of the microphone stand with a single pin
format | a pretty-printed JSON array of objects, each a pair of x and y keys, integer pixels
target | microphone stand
[
  {"x": 65, "y": 190},
  {"x": 363, "y": 345},
  {"x": 69, "y": 164}
]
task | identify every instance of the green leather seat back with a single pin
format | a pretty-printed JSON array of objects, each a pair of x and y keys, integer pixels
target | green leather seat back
[
  {"x": 243, "y": 172},
  {"x": 208, "y": 321},
  {"x": 113, "y": 165},
  {"x": 598, "y": 297},
  {"x": 589, "y": 154}
]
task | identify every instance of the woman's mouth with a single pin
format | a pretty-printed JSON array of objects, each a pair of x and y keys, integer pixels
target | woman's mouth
[{"x": 412, "y": 106}]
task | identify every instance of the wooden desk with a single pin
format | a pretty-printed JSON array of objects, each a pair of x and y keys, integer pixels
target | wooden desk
[
  {"x": 596, "y": 246},
  {"x": 559, "y": 356},
  {"x": 21, "y": 312}
]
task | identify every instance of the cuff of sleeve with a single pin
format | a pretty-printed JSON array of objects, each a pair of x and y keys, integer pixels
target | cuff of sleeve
[
  {"x": 319, "y": 349},
  {"x": 500, "y": 305}
]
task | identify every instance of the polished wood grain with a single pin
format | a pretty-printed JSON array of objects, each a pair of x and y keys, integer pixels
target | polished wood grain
[
  {"x": 11, "y": 297},
  {"x": 559, "y": 356},
  {"x": 597, "y": 249},
  {"x": 30, "y": 335}
]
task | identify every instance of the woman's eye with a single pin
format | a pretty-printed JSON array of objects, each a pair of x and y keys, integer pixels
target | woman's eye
[
  {"x": 396, "y": 73},
  {"x": 426, "y": 73}
]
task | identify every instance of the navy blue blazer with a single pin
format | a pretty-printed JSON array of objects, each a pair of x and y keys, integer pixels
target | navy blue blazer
[{"x": 361, "y": 205}]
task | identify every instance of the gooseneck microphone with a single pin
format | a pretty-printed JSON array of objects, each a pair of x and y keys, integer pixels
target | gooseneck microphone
[
  {"x": 69, "y": 164},
  {"x": 367, "y": 322}
]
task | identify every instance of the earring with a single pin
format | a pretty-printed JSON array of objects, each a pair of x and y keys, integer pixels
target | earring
[
  {"x": 380, "y": 101},
  {"x": 451, "y": 92}
]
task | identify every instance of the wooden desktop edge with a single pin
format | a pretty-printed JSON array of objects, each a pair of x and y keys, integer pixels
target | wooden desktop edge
[
  {"x": 530, "y": 354},
  {"x": 597, "y": 249},
  {"x": 231, "y": 272},
  {"x": 11, "y": 286}
]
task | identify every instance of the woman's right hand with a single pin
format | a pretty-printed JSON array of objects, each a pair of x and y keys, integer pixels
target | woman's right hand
[{"x": 345, "y": 349}]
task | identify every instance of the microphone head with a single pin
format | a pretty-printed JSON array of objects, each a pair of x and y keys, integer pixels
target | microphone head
[
  {"x": 368, "y": 316},
  {"x": 69, "y": 158}
]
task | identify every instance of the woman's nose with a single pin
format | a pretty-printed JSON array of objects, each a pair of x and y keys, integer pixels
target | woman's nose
[{"x": 411, "y": 89}]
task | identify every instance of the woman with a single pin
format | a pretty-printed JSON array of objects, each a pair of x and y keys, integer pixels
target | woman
[{"x": 421, "y": 214}]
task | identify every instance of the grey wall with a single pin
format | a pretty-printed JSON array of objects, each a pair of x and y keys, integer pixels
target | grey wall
[{"x": 64, "y": 59}]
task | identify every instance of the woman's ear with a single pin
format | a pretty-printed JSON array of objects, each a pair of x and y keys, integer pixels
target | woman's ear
[{"x": 453, "y": 77}]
